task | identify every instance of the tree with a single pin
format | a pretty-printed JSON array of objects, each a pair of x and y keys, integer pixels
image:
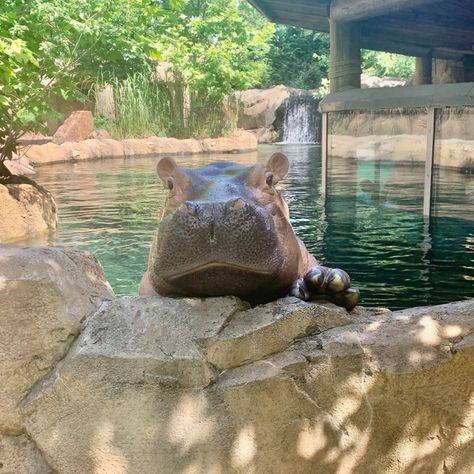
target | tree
[
  {"x": 382, "y": 64},
  {"x": 217, "y": 45},
  {"x": 55, "y": 47},
  {"x": 297, "y": 58}
]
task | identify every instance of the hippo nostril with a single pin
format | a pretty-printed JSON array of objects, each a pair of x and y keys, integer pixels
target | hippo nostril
[
  {"x": 192, "y": 208},
  {"x": 240, "y": 204},
  {"x": 233, "y": 205}
]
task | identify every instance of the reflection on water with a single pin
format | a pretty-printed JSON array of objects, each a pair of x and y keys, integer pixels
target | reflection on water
[{"x": 372, "y": 225}]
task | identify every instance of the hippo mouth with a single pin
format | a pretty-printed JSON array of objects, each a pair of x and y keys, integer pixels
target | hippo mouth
[{"x": 216, "y": 266}]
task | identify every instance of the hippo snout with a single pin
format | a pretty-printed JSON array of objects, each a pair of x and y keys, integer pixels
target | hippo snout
[
  {"x": 195, "y": 208},
  {"x": 195, "y": 224},
  {"x": 203, "y": 239}
]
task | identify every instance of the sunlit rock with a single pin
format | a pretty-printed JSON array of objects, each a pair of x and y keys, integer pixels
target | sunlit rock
[
  {"x": 214, "y": 386},
  {"x": 78, "y": 126},
  {"x": 26, "y": 210},
  {"x": 45, "y": 294},
  {"x": 256, "y": 333}
]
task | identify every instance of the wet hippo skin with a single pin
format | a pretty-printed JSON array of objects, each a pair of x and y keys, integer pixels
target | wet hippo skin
[{"x": 225, "y": 230}]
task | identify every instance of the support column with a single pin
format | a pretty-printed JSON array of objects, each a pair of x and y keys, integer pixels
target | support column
[
  {"x": 423, "y": 70},
  {"x": 344, "y": 59}
]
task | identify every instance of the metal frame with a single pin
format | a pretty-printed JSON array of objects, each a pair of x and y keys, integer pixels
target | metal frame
[
  {"x": 430, "y": 148},
  {"x": 324, "y": 155}
]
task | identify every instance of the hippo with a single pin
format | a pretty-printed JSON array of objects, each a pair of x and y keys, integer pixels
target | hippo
[{"x": 225, "y": 230}]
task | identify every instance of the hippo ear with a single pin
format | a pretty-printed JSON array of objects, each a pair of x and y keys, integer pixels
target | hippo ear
[
  {"x": 278, "y": 164},
  {"x": 166, "y": 168}
]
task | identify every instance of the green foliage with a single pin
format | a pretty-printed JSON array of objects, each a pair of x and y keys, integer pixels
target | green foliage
[
  {"x": 147, "y": 106},
  {"x": 297, "y": 58},
  {"x": 218, "y": 46},
  {"x": 24, "y": 104},
  {"x": 58, "y": 48},
  {"x": 375, "y": 63}
]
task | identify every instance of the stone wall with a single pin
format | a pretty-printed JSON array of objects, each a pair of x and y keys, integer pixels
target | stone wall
[
  {"x": 95, "y": 148},
  {"x": 146, "y": 385}
]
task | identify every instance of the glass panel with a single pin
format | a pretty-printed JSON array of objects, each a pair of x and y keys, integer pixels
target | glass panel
[
  {"x": 382, "y": 155},
  {"x": 375, "y": 201},
  {"x": 452, "y": 224},
  {"x": 453, "y": 165}
]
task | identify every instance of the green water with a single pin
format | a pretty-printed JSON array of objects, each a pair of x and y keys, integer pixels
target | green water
[{"x": 378, "y": 235}]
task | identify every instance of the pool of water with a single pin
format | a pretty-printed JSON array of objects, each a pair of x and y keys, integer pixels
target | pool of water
[{"x": 371, "y": 225}]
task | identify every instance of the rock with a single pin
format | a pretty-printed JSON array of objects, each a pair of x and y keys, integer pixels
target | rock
[
  {"x": 173, "y": 146},
  {"x": 19, "y": 455},
  {"x": 27, "y": 209},
  {"x": 135, "y": 147},
  {"x": 265, "y": 135},
  {"x": 268, "y": 112},
  {"x": 240, "y": 140},
  {"x": 369, "y": 82},
  {"x": 19, "y": 166},
  {"x": 93, "y": 149},
  {"x": 260, "y": 106},
  {"x": 97, "y": 148},
  {"x": 45, "y": 294},
  {"x": 47, "y": 153},
  {"x": 306, "y": 388},
  {"x": 258, "y": 332},
  {"x": 78, "y": 126},
  {"x": 100, "y": 134}
]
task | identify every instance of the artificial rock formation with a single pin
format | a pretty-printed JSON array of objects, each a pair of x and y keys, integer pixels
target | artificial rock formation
[
  {"x": 78, "y": 126},
  {"x": 27, "y": 209},
  {"x": 97, "y": 148},
  {"x": 265, "y": 112},
  {"x": 214, "y": 386},
  {"x": 45, "y": 294}
]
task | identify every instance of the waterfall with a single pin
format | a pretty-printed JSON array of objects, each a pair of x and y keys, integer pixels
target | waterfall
[{"x": 301, "y": 120}]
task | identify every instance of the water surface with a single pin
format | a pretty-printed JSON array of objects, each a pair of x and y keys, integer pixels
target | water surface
[{"x": 374, "y": 231}]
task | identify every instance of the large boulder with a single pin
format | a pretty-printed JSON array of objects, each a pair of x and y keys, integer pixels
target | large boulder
[
  {"x": 165, "y": 385},
  {"x": 280, "y": 114},
  {"x": 260, "y": 106},
  {"x": 45, "y": 295},
  {"x": 27, "y": 209},
  {"x": 78, "y": 126}
]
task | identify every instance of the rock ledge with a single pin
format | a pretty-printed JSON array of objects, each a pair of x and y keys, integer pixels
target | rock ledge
[{"x": 212, "y": 385}]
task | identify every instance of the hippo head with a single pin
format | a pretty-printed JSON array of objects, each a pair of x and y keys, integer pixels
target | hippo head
[{"x": 224, "y": 230}]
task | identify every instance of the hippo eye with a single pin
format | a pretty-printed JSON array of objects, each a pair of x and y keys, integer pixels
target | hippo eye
[
  {"x": 170, "y": 184},
  {"x": 269, "y": 179}
]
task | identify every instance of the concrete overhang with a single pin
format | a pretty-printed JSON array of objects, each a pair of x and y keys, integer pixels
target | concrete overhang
[{"x": 442, "y": 28}]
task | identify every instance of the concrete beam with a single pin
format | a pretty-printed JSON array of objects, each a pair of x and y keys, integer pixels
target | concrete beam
[{"x": 354, "y": 10}]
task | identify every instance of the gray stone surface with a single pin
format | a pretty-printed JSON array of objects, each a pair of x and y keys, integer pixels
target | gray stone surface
[
  {"x": 320, "y": 390},
  {"x": 212, "y": 386},
  {"x": 264, "y": 330},
  {"x": 45, "y": 294}
]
